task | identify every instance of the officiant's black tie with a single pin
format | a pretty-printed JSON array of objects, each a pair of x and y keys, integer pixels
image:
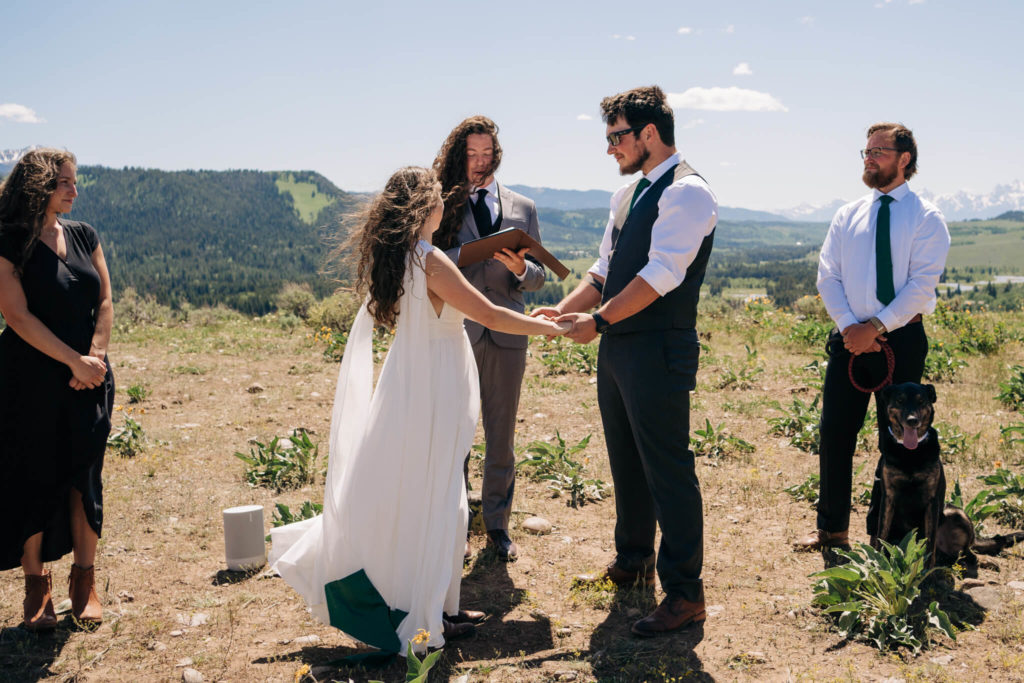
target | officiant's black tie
[{"x": 482, "y": 214}]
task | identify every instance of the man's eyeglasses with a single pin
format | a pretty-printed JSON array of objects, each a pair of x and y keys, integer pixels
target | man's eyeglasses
[
  {"x": 614, "y": 138},
  {"x": 876, "y": 152}
]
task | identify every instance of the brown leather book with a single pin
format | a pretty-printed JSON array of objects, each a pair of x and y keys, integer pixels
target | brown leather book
[{"x": 515, "y": 239}]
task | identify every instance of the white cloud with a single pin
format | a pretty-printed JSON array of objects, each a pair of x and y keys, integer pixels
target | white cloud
[
  {"x": 742, "y": 69},
  {"x": 615, "y": 36},
  {"x": 685, "y": 30},
  {"x": 915, "y": 2},
  {"x": 630, "y": 37},
  {"x": 19, "y": 113},
  {"x": 584, "y": 117},
  {"x": 806, "y": 21},
  {"x": 725, "y": 99},
  {"x": 730, "y": 29},
  {"x": 726, "y": 163},
  {"x": 692, "y": 123}
]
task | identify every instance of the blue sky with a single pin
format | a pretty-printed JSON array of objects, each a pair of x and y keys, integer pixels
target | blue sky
[{"x": 771, "y": 98}]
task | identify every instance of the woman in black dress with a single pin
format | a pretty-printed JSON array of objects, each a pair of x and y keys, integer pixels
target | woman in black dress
[{"x": 56, "y": 386}]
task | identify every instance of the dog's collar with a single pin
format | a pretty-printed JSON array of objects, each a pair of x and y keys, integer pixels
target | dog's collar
[{"x": 900, "y": 441}]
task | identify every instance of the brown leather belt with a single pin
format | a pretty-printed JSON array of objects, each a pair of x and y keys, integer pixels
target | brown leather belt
[{"x": 915, "y": 319}]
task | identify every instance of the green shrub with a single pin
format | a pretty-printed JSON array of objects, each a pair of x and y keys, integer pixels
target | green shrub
[
  {"x": 942, "y": 364},
  {"x": 555, "y": 464},
  {"x": 800, "y": 422},
  {"x": 283, "y": 514},
  {"x": 285, "y": 463},
  {"x": 1008, "y": 494},
  {"x": 335, "y": 312},
  {"x": 1011, "y": 392},
  {"x": 560, "y": 356},
  {"x": 742, "y": 377},
  {"x": 137, "y": 393},
  {"x": 716, "y": 443},
  {"x": 977, "y": 509},
  {"x": 296, "y": 299},
  {"x": 876, "y": 595},
  {"x": 129, "y": 440}
]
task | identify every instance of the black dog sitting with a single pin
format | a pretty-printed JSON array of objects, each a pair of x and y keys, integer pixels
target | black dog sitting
[{"x": 913, "y": 483}]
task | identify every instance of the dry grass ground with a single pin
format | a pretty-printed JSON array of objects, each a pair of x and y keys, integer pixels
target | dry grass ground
[{"x": 170, "y": 606}]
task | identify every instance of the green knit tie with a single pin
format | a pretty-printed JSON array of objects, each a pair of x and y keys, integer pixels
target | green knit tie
[
  {"x": 884, "y": 289},
  {"x": 640, "y": 187}
]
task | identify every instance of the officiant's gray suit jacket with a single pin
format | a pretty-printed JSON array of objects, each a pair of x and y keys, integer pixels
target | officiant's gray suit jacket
[
  {"x": 500, "y": 357},
  {"x": 491, "y": 277}
]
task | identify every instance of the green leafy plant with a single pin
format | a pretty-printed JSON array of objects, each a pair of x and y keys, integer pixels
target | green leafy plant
[
  {"x": 876, "y": 595},
  {"x": 1008, "y": 493},
  {"x": 137, "y": 393},
  {"x": 810, "y": 332},
  {"x": 943, "y": 363},
  {"x": 972, "y": 336},
  {"x": 867, "y": 437},
  {"x": 555, "y": 464},
  {"x": 129, "y": 440},
  {"x": 285, "y": 463},
  {"x": 716, "y": 443},
  {"x": 417, "y": 670},
  {"x": 561, "y": 357},
  {"x": 744, "y": 376},
  {"x": 954, "y": 441},
  {"x": 1011, "y": 392},
  {"x": 283, "y": 514},
  {"x": 1013, "y": 434},
  {"x": 977, "y": 509},
  {"x": 800, "y": 422}
]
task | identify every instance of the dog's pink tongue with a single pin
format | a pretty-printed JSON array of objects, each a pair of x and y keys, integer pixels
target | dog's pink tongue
[{"x": 910, "y": 439}]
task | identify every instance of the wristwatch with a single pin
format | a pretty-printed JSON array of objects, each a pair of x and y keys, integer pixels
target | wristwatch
[
  {"x": 878, "y": 325},
  {"x": 600, "y": 323}
]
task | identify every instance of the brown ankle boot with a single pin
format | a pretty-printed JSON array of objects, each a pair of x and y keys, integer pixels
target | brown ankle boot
[
  {"x": 39, "y": 613},
  {"x": 85, "y": 605}
]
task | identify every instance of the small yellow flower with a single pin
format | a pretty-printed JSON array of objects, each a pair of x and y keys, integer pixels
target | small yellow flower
[
  {"x": 302, "y": 672},
  {"x": 118, "y": 408},
  {"x": 421, "y": 636},
  {"x": 998, "y": 463}
]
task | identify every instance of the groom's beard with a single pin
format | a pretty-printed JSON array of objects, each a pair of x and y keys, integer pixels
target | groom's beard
[
  {"x": 636, "y": 165},
  {"x": 880, "y": 177}
]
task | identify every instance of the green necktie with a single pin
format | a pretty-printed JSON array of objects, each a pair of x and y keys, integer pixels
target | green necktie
[
  {"x": 640, "y": 187},
  {"x": 884, "y": 289}
]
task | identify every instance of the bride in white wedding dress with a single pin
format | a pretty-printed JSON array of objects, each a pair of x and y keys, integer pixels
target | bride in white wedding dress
[{"x": 384, "y": 560}]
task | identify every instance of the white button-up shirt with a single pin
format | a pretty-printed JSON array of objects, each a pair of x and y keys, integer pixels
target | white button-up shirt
[
  {"x": 919, "y": 242},
  {"x": 687, "y": 213}
]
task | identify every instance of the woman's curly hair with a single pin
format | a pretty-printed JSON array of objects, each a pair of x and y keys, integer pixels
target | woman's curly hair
[
  {"x": 450, "y": 167},
  {"x": 387, "y": 234},
  {"x": 25, "y": 195}
]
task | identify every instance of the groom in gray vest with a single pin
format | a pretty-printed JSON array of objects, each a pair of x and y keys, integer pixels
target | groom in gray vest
[
  {"x": 476, "y": 206},
  {"x": 645, "y": 285}
]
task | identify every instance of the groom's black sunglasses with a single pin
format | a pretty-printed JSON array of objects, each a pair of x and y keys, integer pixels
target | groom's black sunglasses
[{"x": 615, "y": 137}]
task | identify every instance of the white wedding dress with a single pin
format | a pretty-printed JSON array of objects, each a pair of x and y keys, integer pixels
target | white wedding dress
[{"x": 395, "y": 501}]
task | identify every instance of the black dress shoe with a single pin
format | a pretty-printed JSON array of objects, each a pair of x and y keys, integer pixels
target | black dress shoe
[
  {"x": 453, "y": 631},
  {"x": 466, "y": 616},
  {"x": 503, "y": 545}
]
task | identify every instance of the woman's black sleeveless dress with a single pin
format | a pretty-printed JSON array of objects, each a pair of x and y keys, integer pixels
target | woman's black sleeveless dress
[{"x": 52, "y": 437}]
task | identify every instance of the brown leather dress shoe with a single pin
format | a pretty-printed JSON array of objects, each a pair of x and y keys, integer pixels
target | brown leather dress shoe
[
  {"x": 823, "y": 539},
  {"x": 466, "y": 616},
  {"x": 38, "y": 604},
  {"x": 621, "y": 577},
  {"x": 453, "y": 631},
  {"x": 503, "y": 545},
  {"x": 85, "y": 605},
  {"x": 673, "y": 613}
]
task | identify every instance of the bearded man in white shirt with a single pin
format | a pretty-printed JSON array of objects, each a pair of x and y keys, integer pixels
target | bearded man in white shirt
[
  {"x": 645, "y": 286},
  {"x": 877, "y": 274}
]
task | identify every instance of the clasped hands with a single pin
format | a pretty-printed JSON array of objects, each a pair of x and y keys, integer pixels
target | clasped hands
[
  {"x": 583, "y": 329},
  {"x": 88, "y": 372},
  {"x": 862, "y": 338}
]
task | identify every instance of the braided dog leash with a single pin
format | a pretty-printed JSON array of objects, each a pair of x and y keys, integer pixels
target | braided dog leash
[{"x": 890, "y": 363}]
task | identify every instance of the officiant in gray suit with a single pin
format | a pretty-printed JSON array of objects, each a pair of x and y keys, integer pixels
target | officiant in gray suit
[{"x": 475, "y": 206}]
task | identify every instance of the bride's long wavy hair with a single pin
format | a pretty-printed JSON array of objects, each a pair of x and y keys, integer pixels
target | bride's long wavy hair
[
  {"x": 387, "y": 234},
  {"x": 25, "y": 195},
  {"x": 450, "y": 167}
]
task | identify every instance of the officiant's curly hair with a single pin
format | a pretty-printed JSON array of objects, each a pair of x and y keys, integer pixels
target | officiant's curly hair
[
  {"x": 450, "y": 167},
  {"x": 387, "y": 234},
  {"x": 25, "y": 195}
]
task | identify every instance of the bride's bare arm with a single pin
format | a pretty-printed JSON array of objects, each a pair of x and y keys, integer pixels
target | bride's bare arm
[{"x": 445, "y": 281}]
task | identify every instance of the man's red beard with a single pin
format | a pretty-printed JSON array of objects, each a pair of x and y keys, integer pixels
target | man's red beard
[{"x": 878, "y": 178}]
